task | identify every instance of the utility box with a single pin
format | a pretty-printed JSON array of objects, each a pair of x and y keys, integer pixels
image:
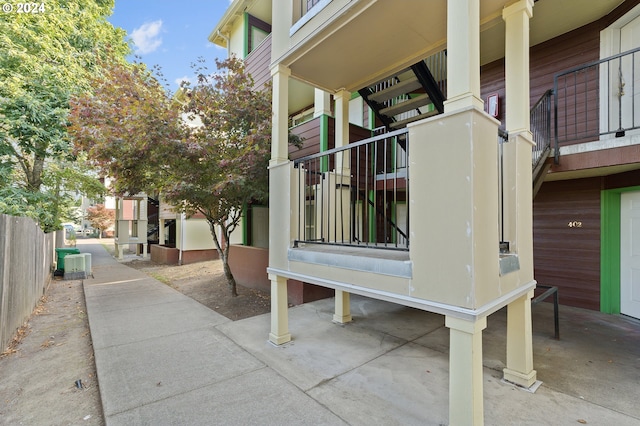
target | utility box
[{"x": 75, "y": 267}]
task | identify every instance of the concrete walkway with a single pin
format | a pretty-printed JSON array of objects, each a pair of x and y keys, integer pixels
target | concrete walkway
[{"x": 164, "y": 359}]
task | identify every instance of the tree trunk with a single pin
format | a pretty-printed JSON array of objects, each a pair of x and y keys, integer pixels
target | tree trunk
[
  {"x": 224, "y": 256},
  {"x": 231, "y": 281}
]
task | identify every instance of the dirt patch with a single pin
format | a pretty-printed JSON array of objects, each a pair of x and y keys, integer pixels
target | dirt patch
[
  {"x": 205, "y": 282},
  {"x": 50, "y": 354},
  {"x": 53, "y": 351}
]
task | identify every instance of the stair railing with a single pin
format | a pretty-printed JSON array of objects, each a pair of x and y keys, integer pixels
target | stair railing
[
  {"x": 540, "y": 122},
  {"x": 356, "y": 195}
]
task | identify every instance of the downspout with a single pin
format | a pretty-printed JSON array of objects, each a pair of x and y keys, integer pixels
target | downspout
[
  {"x": 182, "y": 225},
  {"x": 228, "y": 43}
]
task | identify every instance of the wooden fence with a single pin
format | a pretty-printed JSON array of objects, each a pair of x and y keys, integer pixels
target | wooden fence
[{"x": 27, "y": 256}]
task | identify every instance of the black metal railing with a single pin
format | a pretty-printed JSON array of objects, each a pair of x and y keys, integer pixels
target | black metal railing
[
  {"x": 540, "y": 122},
  {"x": 598, "y": 98},
  {"x": 356, "y": 195}
]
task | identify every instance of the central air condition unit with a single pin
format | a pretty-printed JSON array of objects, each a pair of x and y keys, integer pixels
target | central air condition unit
[{"x": 75, "y": 267}]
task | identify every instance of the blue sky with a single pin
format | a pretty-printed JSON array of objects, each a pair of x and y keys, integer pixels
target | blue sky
[{"x": 172, "y": 34}]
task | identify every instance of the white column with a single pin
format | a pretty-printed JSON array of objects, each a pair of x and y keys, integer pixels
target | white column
[
  {"x": 519, "y": 343},
  {"x": 342, "y": 98},
  {"x": 463, "y": 55},
  {"x": 518, "y": 200},
  {"x": 342, "y": 313},
  {"x": 279, "y": 315},
  {"x": 279, "y": 203},
  {"x": 465, "y": 371},
  {"x": 342, "y": 299},
  {"x": 161, "y": 240},
  {"x": 322, "y": 103},
  {"x": 279, "y": 170},
  {"x": 280, "y": 105},
  {"x": 516, "y": 19}
]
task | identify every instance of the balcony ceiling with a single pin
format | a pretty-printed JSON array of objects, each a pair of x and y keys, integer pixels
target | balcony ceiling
[{"x": 377, "y": 38}]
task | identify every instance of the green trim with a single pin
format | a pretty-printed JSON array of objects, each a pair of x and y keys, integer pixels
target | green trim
[
  {"x": 245, "y": 225},
  {"x": 354, "y": 95},
  {"x": 247, "y": 34},
  {"x": 610, "y": 252},
  {"x": 324, "y": 142},
  {"x": 610, "y": 228}
]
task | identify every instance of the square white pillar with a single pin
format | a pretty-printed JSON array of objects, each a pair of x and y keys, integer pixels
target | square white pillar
[
  {"x": 519, "y": 343},
  {"x": 279, "y": 311},
  {"x": 322, "y": 103},
  {"x": 463, "y": 55},
  {"x": 342, "y": 313},
  {"x": 465, "y": 371}
]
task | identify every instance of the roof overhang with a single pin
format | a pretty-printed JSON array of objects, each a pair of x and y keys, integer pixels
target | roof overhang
[{"x": 369, "y": 40}]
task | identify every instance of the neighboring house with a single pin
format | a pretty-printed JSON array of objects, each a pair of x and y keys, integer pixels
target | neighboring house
[
  {"x": 178, "y": 239},
  {"x": 174, "y": 238},
  {"x": 436, "y": 213},
  {"x": 131, "y": 225}
]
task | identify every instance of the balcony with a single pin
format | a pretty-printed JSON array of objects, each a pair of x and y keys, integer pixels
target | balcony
[
  {"x": 355, "y": 195},
  {"x": 352, "y": 226},
  {"x": 598, "y": 100}
]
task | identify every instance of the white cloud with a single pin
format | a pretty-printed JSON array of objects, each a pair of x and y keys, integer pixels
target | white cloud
[
  {"x": 147, "y": 37},
  {"x": 178, "y": 81}
]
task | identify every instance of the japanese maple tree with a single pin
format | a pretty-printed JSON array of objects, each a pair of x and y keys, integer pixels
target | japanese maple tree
[
  {"x": 223, "y": 163},
  {"x": 207, "y": 153},
  {"x": 129, "y": 128},
  {"x": 100, "y": 217}
]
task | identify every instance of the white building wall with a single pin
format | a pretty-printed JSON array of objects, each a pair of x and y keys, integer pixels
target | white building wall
[{"x": 197, "y": 235}]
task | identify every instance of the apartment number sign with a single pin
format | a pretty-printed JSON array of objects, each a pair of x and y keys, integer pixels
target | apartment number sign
[{"x": 575, "y": 224}]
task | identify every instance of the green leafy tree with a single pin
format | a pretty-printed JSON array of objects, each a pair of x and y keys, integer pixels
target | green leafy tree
[
  {"x": 45, "y": 58},
  {"x": 101, "y": 218},
  {"x": 214, "y": 165},
  {"x": 128, "y": 127},
  {"x": 224, "y": 161}
]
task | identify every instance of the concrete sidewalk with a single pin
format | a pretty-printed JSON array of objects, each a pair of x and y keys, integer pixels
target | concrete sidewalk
[{"x": 164, "y": 359}]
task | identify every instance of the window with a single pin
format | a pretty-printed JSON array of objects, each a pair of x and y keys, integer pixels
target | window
[{"x": 257, "y": 31}]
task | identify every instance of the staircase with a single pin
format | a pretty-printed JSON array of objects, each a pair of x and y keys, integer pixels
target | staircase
[
  {"x": 153, "y": 228},
  {"x": 540, "y": 119},
  {"x": 412, "y": 94}
]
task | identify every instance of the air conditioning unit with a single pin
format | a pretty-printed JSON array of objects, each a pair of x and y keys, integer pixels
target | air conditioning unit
[{"x": 75, "y": 267}]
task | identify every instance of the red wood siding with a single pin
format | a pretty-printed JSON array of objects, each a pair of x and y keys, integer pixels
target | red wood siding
[
  {"x": 567, "y": 51},
  {"x": 569, "y": 257},
  {"x": 310, "y": 132},
  {"x": 564, "y": 256},
  {"x": 257, "y": 63},
  {"x": 547, "y": 59}
]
